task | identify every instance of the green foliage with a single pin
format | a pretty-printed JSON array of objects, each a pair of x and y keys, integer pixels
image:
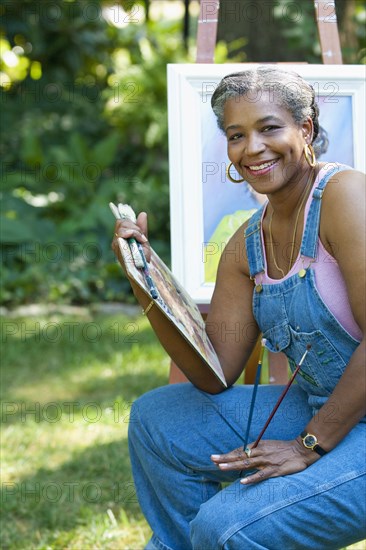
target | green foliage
[
  {"x": 84, "y": 122},
  {"x": 84, "y": 126}
]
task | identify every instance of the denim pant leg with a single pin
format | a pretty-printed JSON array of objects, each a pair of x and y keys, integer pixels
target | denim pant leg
[
  {"x": 174, "y": 430},
  {"x": 322, "y": 507}
]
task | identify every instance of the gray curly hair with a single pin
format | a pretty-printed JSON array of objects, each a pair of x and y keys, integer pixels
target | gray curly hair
[{"x": 290, "y": 90}]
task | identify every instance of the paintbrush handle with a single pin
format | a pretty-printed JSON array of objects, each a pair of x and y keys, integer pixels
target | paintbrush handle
[
  {"x": 280, "y": 399},
  {"x": 254, "y": 394}
]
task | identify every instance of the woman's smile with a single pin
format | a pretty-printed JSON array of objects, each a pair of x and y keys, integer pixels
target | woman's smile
[{"x": 262, "y": 167}]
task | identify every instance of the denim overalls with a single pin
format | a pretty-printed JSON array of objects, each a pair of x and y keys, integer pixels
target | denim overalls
[
  {"x": 292, "y": 315},
  {"x": 174, "y": 429}
]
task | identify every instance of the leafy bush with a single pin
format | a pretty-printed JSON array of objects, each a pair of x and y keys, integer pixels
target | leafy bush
[{"x": 85, "y": 123}]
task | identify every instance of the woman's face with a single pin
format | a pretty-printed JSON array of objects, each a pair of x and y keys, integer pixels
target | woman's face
[{"x": 265, "y": 144}]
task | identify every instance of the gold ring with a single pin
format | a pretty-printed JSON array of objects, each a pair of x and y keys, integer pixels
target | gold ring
[{"x": 248, "y": 451}]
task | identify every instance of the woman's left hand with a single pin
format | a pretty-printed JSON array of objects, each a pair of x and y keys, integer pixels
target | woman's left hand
[{"x": 270, "y": 458}]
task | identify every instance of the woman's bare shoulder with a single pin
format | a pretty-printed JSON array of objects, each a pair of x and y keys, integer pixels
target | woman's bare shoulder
[
  {"x": 343, "y": 206},
  {"x": 344, "y": 190}
]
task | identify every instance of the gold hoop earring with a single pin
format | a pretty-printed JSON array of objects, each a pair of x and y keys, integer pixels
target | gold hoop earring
[
  {"x": 310, "y": 155},
  {"x": 229, "y": 176}
]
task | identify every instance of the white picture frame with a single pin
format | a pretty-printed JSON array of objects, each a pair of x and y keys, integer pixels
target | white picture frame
[{"x": 193, "y": 132}]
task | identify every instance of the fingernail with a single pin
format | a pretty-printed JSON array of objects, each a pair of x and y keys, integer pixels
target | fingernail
[
  {"x": 215, "y": 457},
  {"x": 243, "y": 481},
  {"x": 143, "y": 238}
]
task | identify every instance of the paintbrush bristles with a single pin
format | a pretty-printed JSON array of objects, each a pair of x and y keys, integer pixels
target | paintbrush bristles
[
  {"x": 126, "y": 211},
  {"x": 308, "y": 347}
]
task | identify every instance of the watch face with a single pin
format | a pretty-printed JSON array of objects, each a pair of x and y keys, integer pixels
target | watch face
[{"x": 310, "y": 441}]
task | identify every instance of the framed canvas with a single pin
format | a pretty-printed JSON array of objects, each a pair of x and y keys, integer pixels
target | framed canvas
[{"x": 206, "y": 208}]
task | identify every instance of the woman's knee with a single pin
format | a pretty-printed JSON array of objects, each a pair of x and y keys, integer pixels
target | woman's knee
[
  {"x": 156, "y": 413},
  {"x": 142, "y": 412},
  {"x": 217, "y": 526},
  {"x": 203, "y": 530}
]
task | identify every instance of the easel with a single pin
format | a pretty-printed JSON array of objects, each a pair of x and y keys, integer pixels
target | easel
[{"x": 326, "y": 19}]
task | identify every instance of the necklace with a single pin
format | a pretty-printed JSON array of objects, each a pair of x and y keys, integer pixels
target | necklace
[{"x": 303, "y": 197}]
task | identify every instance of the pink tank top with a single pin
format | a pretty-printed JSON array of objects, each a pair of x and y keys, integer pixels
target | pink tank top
[{"x": 328, "y": 278}]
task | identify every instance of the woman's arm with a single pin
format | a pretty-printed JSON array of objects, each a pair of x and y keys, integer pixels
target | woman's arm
[
  {"x": 230, "y": 325},
  {"x": 342, "y": 232}
]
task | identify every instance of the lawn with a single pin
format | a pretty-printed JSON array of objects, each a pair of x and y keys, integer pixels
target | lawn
[
  {"x": 67, "y": 387},
  {"x": 68, "y": 382}
]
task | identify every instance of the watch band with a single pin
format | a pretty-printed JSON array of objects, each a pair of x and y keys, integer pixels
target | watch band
[{"x": 316, "y": 447}]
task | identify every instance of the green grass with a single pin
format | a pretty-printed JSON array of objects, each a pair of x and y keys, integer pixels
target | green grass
[
  {"x": 68, "y": 383},
  {"x": 67, "y": 390}
]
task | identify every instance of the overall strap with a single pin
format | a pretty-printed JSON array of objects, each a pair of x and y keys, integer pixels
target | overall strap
[
  {"x": 309, "y": 244},
  {"x": 253, "y": 243}
]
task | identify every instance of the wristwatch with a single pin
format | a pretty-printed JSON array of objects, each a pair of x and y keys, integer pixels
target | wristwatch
[{"x": 310, "y": 442}]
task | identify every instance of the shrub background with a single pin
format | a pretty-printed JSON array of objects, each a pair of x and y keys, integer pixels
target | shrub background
[{"x": 84, "y": 122}]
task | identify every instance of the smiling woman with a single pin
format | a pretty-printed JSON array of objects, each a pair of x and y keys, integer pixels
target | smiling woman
[{"x": 297, "y": 276}]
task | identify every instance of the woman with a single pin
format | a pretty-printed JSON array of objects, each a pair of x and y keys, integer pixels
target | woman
[{"x": 300, "y": 283}]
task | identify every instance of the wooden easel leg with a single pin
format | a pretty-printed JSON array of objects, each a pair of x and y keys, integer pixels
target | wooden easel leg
[
  {"x": 175, "y": 375},
  {"x": 326, "y": 19},
  {"x": 278, "y": 368}
]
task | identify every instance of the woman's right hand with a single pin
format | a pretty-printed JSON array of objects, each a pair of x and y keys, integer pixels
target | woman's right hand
[{"x": 127, "y": 229}]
